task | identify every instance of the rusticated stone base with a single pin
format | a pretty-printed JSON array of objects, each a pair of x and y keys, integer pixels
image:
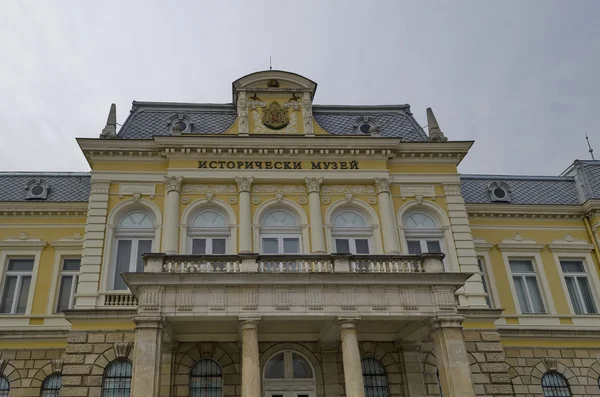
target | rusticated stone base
[{"x": 27, "y": 369}]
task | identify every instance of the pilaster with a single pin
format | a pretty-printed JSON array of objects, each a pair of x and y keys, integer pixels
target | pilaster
[
  {"x": 146, "y": 376},
  {"x": 245, "y": 229},
  {"x": 391, "y": 241},
  {"x": 412, "y": 367},
  {"x": 317, "y": 237},
  {"x": 170, "y": 237}
]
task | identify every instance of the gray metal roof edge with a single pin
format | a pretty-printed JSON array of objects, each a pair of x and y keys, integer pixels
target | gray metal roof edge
[
  {"x": 360, "y": 109},
  {"x": 44, "y": 173},
  {"x": 519, "y": 177},
  {"x": 181, "y": 105}
]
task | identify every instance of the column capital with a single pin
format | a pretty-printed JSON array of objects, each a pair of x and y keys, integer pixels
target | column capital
[
  {"x": 347, "y": 321},
  {"x": 173, "y": 183},
  {"x": 148, "y": 321},
  {"x": 313, "y": 184},
  {"x": 438, "y": 322},
  {"x": 382, "y": 185},
  {"x": 244, "y": 183},
  {"x": 249, "y": 322}
]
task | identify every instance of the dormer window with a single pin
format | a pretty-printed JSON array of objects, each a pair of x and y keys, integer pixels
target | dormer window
[
  {"x": 499, "y": 192},
  {"x": 180, "y": 124},
  {"x": 366, "y": 125},
  {"x": 365, "y": 128},
  {"x": 37, "y": 189}
]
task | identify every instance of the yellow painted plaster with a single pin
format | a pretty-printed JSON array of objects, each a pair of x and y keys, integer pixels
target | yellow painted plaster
[
  {"x": 396, "y": 167},
  {"x": 583, "y": 343},
  {"x": 131, "y": 166}
]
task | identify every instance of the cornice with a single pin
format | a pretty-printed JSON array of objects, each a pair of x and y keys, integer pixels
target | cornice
[{"x": 513, "y": 211}]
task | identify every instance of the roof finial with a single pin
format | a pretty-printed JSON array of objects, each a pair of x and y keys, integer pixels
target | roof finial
[
  {"x": 270, "y": 64},
  {"x": 590, "y": 147},
  {"x": 110, "y": 130},
  {"x": 435, "y": 134}
]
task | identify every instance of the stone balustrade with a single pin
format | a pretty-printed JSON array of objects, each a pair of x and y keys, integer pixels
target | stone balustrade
[{"x": 119, "y": 299}]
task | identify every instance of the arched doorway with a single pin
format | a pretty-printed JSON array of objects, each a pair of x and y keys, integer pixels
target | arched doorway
[{"x": 289, "y": 374}]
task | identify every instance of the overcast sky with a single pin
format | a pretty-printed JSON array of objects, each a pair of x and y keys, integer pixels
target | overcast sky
[{"x": 520, "y": 78}]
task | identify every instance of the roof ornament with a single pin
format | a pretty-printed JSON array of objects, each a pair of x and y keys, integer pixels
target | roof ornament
[
  {"x": 110, "y": 130},
  {"x": 435, "y": 133},
  {"x": 590, "y": 147}
]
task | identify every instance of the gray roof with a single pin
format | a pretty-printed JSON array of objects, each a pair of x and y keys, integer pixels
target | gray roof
[
  {"x": 63, "y": 186},
  {"x": 587, "y": 175},
  {"x": 538, "y": 190},
  {"x": 148, "y": 119}
]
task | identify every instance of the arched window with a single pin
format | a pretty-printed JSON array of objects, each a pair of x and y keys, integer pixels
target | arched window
[
  {"x": 208, "y": 233},
  {"x": 4, "y": 387},
  {"x": 555, "y": 385},
  {"x": 206, "y": 379},
  {"x": 289, "y": 366},
  {"x": 374, "y": 378},
  {"x": 51, "y": 386},
  {"x": 351, "y": 233},
  {"x": 279, "y": 233},
  {"x": 117, "y": 379},
  {"x": 422, "y": 234},
  {"x": 134, "y": 237}
]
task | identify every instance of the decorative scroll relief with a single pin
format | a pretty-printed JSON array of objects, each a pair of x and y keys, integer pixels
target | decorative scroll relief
[
  {"x": 185, "y": 300},
  {"x": 340, "y": 189},
  {"x": 126, "y": 189},
  {"x": 151, "y": 297},
  {"x": 260, "y": 128},
  {"x": 347, "y": 301},
  {"x": 408, "y": 297},
  {"x": 216, "y": 298},
  {"x": 416, "y": 191},
  {"x": 209, "y": 188},
  {"x": 282, "y": 297},
  {"x": 250, "y": 297},
  {"x": 443, "y": 297},
  {"x": 278, "y": 189},
  {"x": 314, "y": 297},
  {"x": 378, "y": 297}
]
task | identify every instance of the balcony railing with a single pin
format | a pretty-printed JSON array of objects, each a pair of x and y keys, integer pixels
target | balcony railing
[
  {"x": 119, "y": 299},
  {"x": 286, "y": 263}
]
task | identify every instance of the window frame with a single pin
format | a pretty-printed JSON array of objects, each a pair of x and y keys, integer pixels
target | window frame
[
  {"x": 539, "y": 282},
  {"x": 562, "y": 377},
  {"x": 220, "y": 375},
  {"x": 280, "y": 238},
  {"x": 207, "y": 233},
  {"x": 280, "y": 232},
  {"x": 18, "y": 286},
  {"x": 351, "y": 233},
  {"x": 44, "y": 392},
  {"x": 385, "y": 376},
  {"x": 586, "y": 274},
  {"x": 484, "y": 273},
  {"x": 4, "y": 392},
  {"x": 425, "y": 234},
  {"x": 66, "y": 273},
  {"x": 16, "y": 248},
  {"x": 114, "y": 362}
]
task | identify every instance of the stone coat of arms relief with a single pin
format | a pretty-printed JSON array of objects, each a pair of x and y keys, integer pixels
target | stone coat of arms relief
[{"x": 274, "y": 118}]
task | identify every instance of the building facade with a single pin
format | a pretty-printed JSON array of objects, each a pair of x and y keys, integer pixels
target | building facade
[{"x": 275, "y": 248}]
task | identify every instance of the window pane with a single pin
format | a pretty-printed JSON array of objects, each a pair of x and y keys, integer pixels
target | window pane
[
  {"x": 122, "y": 266},
  {"x": 199, "y": 246},
  {"x": 64, "y": 294},
  {"x": 572, "y": 266},
  {"x": 270, "y": 246},
  {"x": 144, "y": 247},
  {"x": 588, "y": 298},
  {"x": 218, "y": 246},
  {"x": 536, "y": 296},
  {"x": 9, "y": 294},
  {"x": 433, "y": 247},
  {"x": 291, "y": 246},
  {"x": 72, "y": 264},
  {"x": 362, "y": 246},
  {"x": 570, "y": 281},
  {"x": 24, "y": 294},
  {"x": 301, "y": 367},
  {"x": 521, "y": 266},
  {"x": 275, "y": 368},
  {"x": 342, "y": 246},
  {"x": 521, "y": 294},
  {"x": 414, "y": 247},
  {"x": 20, "y": 265}
]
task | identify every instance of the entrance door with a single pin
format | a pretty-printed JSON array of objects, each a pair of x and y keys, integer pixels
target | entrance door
[{"x": 288, "y": 374}]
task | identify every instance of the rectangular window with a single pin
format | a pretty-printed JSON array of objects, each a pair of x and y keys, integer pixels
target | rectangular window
[
  {"x": 526, "y": 286},
  {"x": 208, "y": 246},
  {"x": 280, "y": 245},
  {"x": 129, "y": 259},
  {"x": 15, "y": 289},
  {"x": 352, "y": 245},
  {"x": 68, "y": 284},
  {"x": 484, "y": 281},
  {"x": 418, "y": 247},
  {"x": 578, "y": 286}
]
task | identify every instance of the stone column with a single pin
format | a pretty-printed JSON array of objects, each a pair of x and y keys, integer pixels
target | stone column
[
  {"x": 145, "y": 380},
  {"x": 317, "y": 237},
  {"x": 353, "y": 378},
  {"x": 245, "y": 239},
  {"x": 250, "y": 357},
  {"x": 451, "y": 356},
  {"x": 391, "y": 241},
  {"x": 413, "y": 367},
  {"x": 170, "y": 235}
]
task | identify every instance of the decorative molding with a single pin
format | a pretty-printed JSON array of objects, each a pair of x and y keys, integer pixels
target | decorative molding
[
  {"x": 282, "y": 297},
  {"x": 452, "y": 189},
  {"x": 378, "y": 297},
  {"x": 249, "y": 297},
  {"x": 260, "y": 128},
  {"x": 232, "y": 200},
  {"x": 43, "y": 212},
  {"x": 217, "y": 298},
  {"x": 209, "y": 196},
  {"x": 408, "y": 297},
  {"x": 314, "y": 297},
  {"x": 443, "y": 296},
  {"x": 417, "y": 190},
  {"x": 185, "y": 199},
  {"x": 173, "y": 183},
  {"x": 382, "y": 185},
  {"x": 326, "y": 200},
  {"x": 278, "y": 196},
  {"x": 75, "y": 241},
  {"x": 126, "y": 189},
  {"x": 302, "y": 200},
  {"x": 244, "y": 183},
  {"x": 185, "y": 298},
  {"x": 349, "y": 197},
  {"x": 372, "y": 200},
  {"x": 150, "y": 297},
  {"x": 517, "y": 214},
  {"x": 100, "y": 187},
  {"x": 550, "y": 363},
  {"x": 346, "y": 294},
  {"x": 122, "y": 349},
  {"x": 313, "y": 184},
  {"x": 341, "y": 189},
  {"x": 278, "y": 189},
  {"x": 218, "y": 189},
  {"x": 57, "y": 365},
  {"x": 256, "y": 200},
  {"x": 568, "y": 243}
]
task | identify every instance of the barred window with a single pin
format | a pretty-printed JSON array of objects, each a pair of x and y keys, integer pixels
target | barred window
[
  {"x": 4, "y": 387},
  {"x": 555, "y": 385},
  {"x": 117, "y": 379},
  {"x": 206, "y": 379},
  {"x": 51, "y": 386},
  {"x": 374, "y": 378}
]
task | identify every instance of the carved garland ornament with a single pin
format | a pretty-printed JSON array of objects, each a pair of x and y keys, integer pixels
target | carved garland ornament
[
  {"x": 278, "y": 189},
  {"x": 354, "y": 189},
  {"x": 208, "y": 188}
]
